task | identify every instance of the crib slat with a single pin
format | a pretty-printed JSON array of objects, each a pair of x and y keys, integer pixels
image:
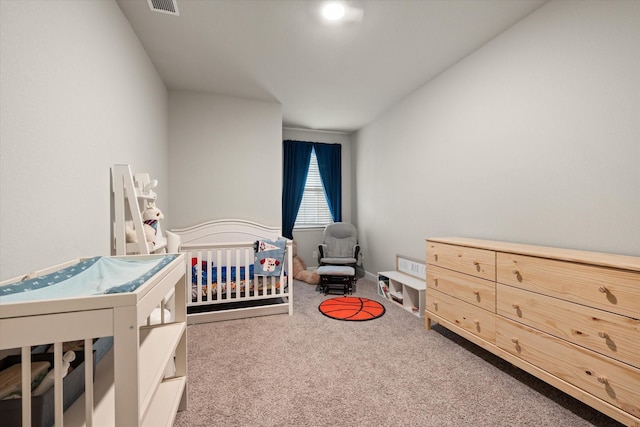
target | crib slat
[
  {"x": 290, "y": 276},
  {"x": 240, "y": 284},
  {"x": 199, "y": 277},
  {"x": 248, "y": 280},
  {"x": 209, "y": 277},
  {"x": 219, "y": 275},
  {"x": 228, "y": 264}
]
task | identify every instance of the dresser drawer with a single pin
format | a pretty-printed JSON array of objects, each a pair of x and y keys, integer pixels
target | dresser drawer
[
  {"x": 605, "y": 288},
  {"x": 607, "y": 379},
  {"x": 471, "y": 289},
  {"x": 607, "y": 333},
  {"x": 476, "y": 262},
  {"x": 471, "y": 318}
]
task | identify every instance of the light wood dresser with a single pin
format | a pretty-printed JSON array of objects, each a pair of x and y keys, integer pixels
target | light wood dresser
[{"x": 571, "y": 318}]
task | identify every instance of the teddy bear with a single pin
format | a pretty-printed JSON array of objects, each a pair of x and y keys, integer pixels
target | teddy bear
[
  {"x": 150, "y": 217},
  {"x": 300, "y": 271}
]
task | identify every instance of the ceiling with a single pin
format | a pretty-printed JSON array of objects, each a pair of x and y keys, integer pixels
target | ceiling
[{"x": 327, "y": 77}]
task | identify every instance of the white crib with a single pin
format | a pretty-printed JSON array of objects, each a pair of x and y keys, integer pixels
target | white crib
[
  {"x": 220, "y": 256},
  {"x": 131, "y": 385}
]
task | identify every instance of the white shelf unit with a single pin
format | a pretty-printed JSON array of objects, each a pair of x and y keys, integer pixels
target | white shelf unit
[
  {"x": 404, "y": 290},
  {"x": 142, "y": 380},
  {"x": 131, "y": 193},
  {"x": 160, "y": 398}
]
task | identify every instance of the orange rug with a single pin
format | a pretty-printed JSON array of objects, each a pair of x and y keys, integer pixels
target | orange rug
[{"x": 351, "y": 308}]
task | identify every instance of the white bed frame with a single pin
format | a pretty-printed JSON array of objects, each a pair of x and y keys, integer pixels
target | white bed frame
[
  {"x": 229, "y": 242},
  {"x": 131, "y": 387}
]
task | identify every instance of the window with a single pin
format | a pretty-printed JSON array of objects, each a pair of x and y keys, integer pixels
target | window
[
  {"x": 301, "y": 179},
  {"x": 314, "y": 210}
]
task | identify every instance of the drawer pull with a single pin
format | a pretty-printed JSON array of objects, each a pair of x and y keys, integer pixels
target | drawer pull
[
  {"x": 518, "y": 275},
  {"x": 477, "y": 264},
  {"x": 476, "y": 321},
  {"x": 603, "y": 289},
  {"x": 514, "y": 340},
  {"x": 435, "y": 281},
  {"x": 435, "y": 257},
  {"x": 476, "y": 292},
  {"x": 603, "y": 334},
  {"x": 516, "y": 306},
  {"x": 602, "y": 379}
]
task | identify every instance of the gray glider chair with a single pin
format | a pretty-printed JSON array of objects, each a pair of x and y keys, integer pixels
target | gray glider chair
[{"x": 338, "y": 257}]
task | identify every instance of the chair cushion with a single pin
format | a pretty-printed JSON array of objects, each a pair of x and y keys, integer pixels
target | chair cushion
[
  {"x": 336, "y": 270},
  {"x": 340, "y": 239},
  {"x": 339, "y": 261}
]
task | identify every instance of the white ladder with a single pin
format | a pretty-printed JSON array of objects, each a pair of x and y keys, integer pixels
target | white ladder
[{"x": 127, "y": 195}]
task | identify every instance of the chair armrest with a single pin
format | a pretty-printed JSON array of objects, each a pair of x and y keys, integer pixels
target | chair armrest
[{"x": 322, "y": 249}]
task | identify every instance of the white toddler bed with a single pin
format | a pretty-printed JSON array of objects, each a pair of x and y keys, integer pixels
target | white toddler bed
[
  {"x": 74, "y": 302},
  {"x": 220, "y": 264}
]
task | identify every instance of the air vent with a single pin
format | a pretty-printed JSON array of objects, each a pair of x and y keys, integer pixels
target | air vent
[{"x": 164, "y": 6}]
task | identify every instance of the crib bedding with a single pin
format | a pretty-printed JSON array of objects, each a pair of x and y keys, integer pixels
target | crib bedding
[
  {"x": 269, "y": 256},
  {"x": 214, "y": 271},
  {"x": 91, "y": 276},
  {"x": 231, "y": 281}
]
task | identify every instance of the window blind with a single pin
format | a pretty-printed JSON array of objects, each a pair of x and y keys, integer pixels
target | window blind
[{"x": 314, "y": 209}]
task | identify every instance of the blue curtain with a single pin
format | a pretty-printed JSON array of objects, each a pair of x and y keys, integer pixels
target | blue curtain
[
  {"x": 329, "y": 164},
  {"x": 295, "y": 163}
]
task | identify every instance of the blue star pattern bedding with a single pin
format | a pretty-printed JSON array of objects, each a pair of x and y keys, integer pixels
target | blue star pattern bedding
[
  {"x": 92, "y": 276},
  {"x": 223, "y": 273}
]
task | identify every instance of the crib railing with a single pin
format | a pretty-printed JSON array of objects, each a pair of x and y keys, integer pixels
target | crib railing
[{"x": 231, "y": 264}]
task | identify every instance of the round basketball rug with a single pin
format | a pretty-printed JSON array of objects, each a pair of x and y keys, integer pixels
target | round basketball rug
[{"x": 351, "y": 308}]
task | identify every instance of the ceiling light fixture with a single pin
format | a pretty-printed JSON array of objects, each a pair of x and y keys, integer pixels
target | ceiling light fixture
[
  {"x": 333, "y": 11},
  {"x": 337, "y": 12}
]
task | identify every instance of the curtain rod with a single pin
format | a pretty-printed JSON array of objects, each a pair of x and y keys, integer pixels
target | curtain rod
[{"x": 314, "y": 130}]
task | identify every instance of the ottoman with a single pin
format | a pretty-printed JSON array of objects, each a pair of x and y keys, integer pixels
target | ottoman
[{"x": 337, "y": 278}]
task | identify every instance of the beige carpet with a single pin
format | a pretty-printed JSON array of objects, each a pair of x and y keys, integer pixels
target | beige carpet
[{"x": 310, "y": 370}]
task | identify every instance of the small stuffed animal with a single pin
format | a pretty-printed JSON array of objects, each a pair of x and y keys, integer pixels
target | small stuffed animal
[{"x": 150, "y": 217}]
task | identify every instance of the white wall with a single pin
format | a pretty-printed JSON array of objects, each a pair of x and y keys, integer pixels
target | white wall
[
  {"x": 308, "y": 239},
  {"x": 226, "y": 159},
  {"x": 534, "y": 138},
  {"x": 77, "y": 94}
]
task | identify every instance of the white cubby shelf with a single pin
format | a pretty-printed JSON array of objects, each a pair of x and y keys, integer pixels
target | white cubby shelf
[{"x": 403, "y": 289}]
